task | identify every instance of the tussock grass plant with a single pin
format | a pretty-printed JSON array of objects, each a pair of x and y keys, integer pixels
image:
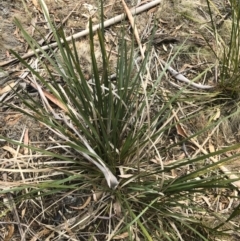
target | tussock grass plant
[
  {"x": 110, "y": 136},
  {"x": 229, "y": 54}
]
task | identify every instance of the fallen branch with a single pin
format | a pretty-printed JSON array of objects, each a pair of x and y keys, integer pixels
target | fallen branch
[
  {"x": 182, "y": 78},
  {"x": 106, "y": 24}
]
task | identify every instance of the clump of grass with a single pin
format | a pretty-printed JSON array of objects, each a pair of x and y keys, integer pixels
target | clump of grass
[
  {"x": 229, "y": 61},
  {"x": 112, "y": 160}
]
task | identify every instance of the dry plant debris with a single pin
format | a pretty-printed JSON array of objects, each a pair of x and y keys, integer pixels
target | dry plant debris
[{"x": 178, "y": 23}]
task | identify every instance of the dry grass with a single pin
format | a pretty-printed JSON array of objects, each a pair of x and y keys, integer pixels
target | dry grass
[{"x": 170, "y": 187}]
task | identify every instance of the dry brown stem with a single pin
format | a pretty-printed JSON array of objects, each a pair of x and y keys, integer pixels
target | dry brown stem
[{"x": 106, "y": 24}]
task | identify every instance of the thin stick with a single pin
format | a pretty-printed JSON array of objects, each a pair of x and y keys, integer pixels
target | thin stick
[
  {"x": 182, "y": 78},
  {"x": 106, "y": 24},
  {"x": 132, "y": 22}
]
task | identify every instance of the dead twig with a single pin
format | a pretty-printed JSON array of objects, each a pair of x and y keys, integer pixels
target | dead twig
[
  {"x": 106, "y": 24},
  {"x": 182, "y": 78},
  {"x": 132, "y": 22}
]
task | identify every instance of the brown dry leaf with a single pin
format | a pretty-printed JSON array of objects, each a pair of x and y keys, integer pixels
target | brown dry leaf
[
  {"x": 54, "y": 100},
  {"x": 7, "y": 88},
  {"x": 10, "y": 233},
  {"x": 117, "y": 208},
  {"x": 97, "y": 195},
  {"x": 25, "y": 142},
  {"x": 180, "y": 130},
  {"x": 131, "y": 20},
  {"x": 121, "y": 236},
  {"x": 11, "y": 120}
]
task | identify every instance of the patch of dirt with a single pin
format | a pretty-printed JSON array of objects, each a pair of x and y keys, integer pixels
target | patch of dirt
[{"x": 8, "y": 37}]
